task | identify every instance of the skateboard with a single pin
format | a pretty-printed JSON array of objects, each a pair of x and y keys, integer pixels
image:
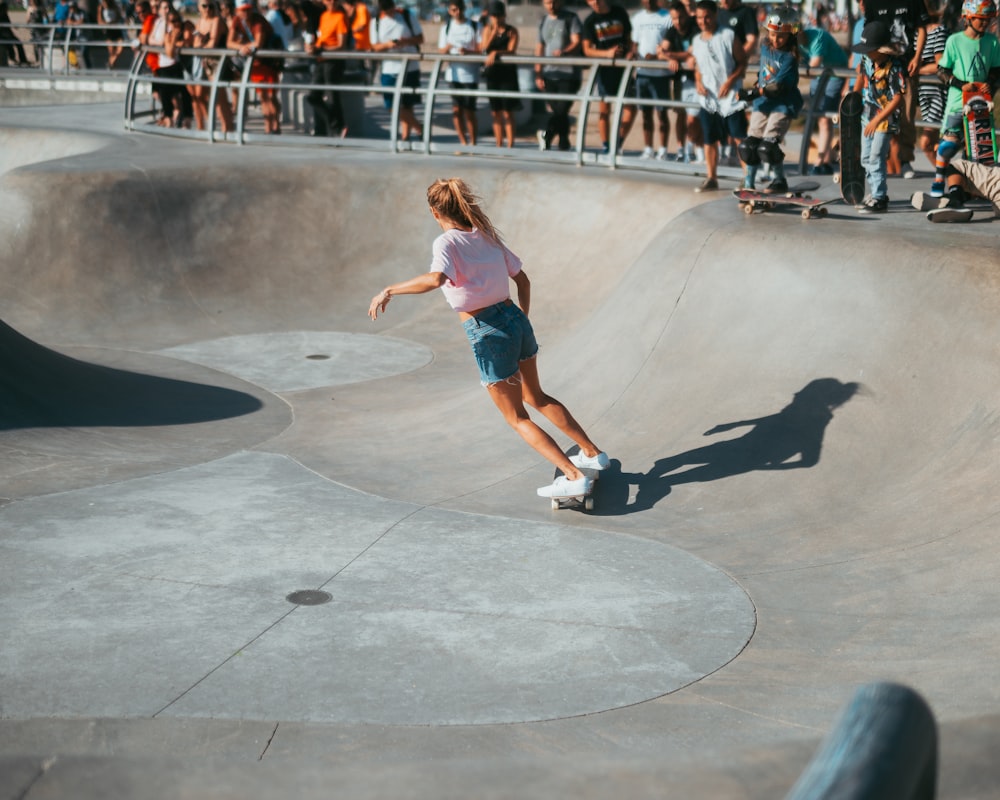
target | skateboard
[
  {"x": 980, "y": 138},
  {"x": 586, "y": 501},
  {"x": 752, "y": 200},
  {"x": 852, "y": 176}
]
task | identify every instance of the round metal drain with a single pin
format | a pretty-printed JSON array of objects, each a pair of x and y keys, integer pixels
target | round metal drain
[
  {"x": 318, "y": 357},
  {"x": 309, "y": 597}
]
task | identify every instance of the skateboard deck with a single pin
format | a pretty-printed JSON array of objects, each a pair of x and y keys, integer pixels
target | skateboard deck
[
  {"x": 851, "y": 176},
  {"x": 980, "y": 138},
  {"x": 752, "y": 200},
  {"x": 585, "y": 501}
]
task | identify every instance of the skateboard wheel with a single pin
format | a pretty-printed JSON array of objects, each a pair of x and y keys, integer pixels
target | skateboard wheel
[
  {"x": 748, "y": 208},
  {"x": 555, "y": 504},
  {"x": 807, "y": 214},
  {"x": 836, "y": 179},
  {"x": 824, "y": 211},
  {"x": 588, "y": 504}
]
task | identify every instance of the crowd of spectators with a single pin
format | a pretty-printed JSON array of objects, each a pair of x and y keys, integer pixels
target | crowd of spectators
[{"x": 669, "y": 34}]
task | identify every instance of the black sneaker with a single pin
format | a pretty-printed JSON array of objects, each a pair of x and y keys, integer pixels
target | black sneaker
[
  {"x": 875, "y": 206},
  {"x": 778, "y": 186}
]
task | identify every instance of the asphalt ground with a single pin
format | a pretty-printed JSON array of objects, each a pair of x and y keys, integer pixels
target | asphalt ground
[{"x": 199, "y": 421}]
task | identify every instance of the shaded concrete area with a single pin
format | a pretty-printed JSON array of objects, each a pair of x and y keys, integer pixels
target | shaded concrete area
[{"x": 802, "y": 417}]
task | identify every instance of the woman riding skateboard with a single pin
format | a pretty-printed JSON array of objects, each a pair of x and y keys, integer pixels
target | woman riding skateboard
[{"x": 472, "y": 267}]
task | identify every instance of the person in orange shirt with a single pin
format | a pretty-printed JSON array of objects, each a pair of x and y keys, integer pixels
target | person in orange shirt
[
  {"x": 331, "y": 37},
  {"x": 359, "y": 19}
]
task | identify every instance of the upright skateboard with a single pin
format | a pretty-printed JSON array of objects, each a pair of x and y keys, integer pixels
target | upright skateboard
[
  {"x": 980, "y": 138},
  {"x": 752, "y": 200},
  {"x": 852, "y": 176}
]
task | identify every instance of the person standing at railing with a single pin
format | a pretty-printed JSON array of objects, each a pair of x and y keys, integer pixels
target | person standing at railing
[
  {"x": 720, "y": 65},
  {"x": 607, "y": 33},
  {"x": 331, "y": 37},
  {"x": 460, "y": 37},
  {"x": 501, "y": 38},
  {"x": 37, "y": 15},
  {"x": 649, "y": 27},
  {"x": 676, "y": 52},
  {"x": 211, "y": 33},
  {"x": 559, "y": 36},
  {"x": 10, "y": 46},
  {"x": 249, "y": 33},
  {"x": 821, "y": 51},
  {"x": 76, "y": 19},
  {"x": 398, "y": 31},
  {"x": 110, "y": 14}
]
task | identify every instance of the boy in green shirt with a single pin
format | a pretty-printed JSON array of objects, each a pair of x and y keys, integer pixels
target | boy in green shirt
[{"x": 970, "y": 56}]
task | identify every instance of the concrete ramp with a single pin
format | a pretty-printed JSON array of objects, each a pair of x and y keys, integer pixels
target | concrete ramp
[{"x": 198, "y": 421}]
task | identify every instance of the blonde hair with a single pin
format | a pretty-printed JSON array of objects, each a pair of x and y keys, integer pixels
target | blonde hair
[{"x": 452, "y": 198}]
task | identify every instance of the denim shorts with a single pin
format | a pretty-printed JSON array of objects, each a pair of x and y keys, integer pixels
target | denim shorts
[
  {"x": 411, "y": 80},
  {"x": 501, "y": 338}
]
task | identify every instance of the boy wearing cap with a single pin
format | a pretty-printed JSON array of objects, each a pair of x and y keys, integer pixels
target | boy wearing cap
[
  {"x": 970, "y": 56},
  {"x": 882, "y": 80}
]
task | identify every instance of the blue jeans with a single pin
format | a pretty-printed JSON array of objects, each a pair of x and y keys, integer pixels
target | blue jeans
[
  {"x": 501, "y": 338},
  {"x": 874, "y": 155}
]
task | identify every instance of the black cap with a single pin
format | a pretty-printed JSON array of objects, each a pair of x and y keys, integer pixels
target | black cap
[{"x": 874, "y": 36}]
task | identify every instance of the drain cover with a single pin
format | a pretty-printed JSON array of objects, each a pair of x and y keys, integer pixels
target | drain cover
[{"x": 309, "y": 597}]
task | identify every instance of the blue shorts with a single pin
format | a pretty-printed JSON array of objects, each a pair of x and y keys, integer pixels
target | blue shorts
[
  {"x": 716, "y": 128},
  {"x": 411, "y": 80},
  {"x": 831, "y": 97},
  {"x": 501, "y": 338}
]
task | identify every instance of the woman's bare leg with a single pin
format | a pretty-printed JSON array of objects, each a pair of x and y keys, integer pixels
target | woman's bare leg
[
  {"x": 552, "y": 409},
  {"x": 507, "y": 397}
]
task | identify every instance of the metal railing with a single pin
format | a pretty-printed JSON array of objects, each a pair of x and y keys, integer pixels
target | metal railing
[
  {"x": 432, "y": 93},
  {"x": 66, "y": 39}
]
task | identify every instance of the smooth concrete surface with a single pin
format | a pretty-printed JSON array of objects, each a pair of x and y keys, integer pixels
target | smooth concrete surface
[{"x": 804, "y": 427}]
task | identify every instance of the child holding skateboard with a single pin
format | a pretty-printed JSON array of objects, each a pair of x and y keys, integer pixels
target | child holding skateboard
[
  {"x": 882, "y": 81},
  {"x": 775, "y": 100},
  {"x": 472, "y": 267},
  {"x": 970, "y": 56}
]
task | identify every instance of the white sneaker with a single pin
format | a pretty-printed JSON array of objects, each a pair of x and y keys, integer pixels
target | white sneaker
[
  {"x": 564, "y": 487},
  {"x": 683, "y": 156},
  {"x": 661, "y": 154},
  {"x": 647, "y": 153},
  {"x": 907, "y": 171},
  {"x": 541, "y": 141},
  {"x": 600, "y": 461}
]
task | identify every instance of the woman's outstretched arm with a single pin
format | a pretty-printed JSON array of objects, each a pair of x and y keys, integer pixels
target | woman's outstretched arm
[{"x": 421, "y": 284}]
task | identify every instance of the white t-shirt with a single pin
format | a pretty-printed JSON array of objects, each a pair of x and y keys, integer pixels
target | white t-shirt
[
  {"x": 716, "y": 63},
  {"x": 478, "y": 271},
  {"x": 648, "y": 30},
  {"x": 386, "y": 29},
  {"x": 456, "y": 35}
]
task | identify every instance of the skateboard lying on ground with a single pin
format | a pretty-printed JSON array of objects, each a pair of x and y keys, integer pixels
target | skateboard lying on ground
[
  {"x": 852, "y": 175},
  {"x": 980, "y": 138},
  {"x": 586, "y": 500},
  {"x": 752, "y": 200}
]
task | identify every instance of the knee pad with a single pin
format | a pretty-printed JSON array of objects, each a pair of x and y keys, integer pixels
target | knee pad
[
  {"x": 946, "y": 150},
  {"x": 748, "y": 151},
  {"x": 770, "y": 152}
]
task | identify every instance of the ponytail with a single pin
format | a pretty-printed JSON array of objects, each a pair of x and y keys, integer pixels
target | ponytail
[{"x": 452, "y": 198}]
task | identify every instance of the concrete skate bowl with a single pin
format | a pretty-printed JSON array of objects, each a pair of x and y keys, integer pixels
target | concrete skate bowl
[{"x": 802, "y": 417}]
